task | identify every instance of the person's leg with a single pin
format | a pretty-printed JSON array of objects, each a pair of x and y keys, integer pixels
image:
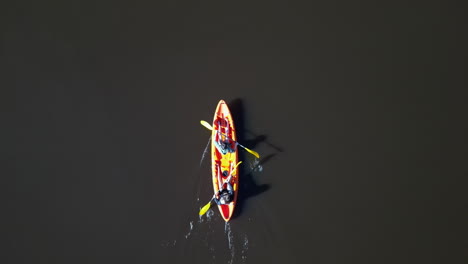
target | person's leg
[
  {"x": 228, "y": 179},
  {"x": 229, "y": 188},
  {"x": 228, "y": 126},
  {"x": 220, "y": 179}
]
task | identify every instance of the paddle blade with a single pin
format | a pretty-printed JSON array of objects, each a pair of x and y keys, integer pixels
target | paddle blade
[
  {"x": 209, "y": 127},
  {"x": 235, "y": 168},
  {"x": 205, "y": 208},
  {"x": 206, "y": 124},
  {"x": 237, "y": 164},
  {"x": 252, "y": 152}
]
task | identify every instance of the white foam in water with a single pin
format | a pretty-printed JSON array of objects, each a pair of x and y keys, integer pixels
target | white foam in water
[
  {"x": 254, "y": 164},
  {"x": 259, "y": 168},
  {"x": 168, "y": 243},
  {"x": 205, "y": 151},
  {"x": 209, "y": 215},
  {"x": 190, "y": 231},
  {"x": 245, "y": 248},
  {"x": 200, "y": 219},
  {"x": 165, "y": 244},
  {"x": 230, "y": 236}
]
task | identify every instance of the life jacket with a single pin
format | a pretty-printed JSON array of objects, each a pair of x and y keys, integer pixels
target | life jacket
[{"x": 225, "y": 196}]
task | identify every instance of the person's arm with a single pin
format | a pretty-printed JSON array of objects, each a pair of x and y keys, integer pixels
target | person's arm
[
  {"x": 232, "y": 169},
  {"x": 216, "y": 197}
]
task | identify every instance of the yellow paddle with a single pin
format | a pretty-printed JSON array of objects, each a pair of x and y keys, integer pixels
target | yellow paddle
[
  {"x": 208, "y": 205},
  {"x": 205, "y": 124}
]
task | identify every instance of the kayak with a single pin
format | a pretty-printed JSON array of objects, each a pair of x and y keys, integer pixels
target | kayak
[{"x": 224, "y": 160}]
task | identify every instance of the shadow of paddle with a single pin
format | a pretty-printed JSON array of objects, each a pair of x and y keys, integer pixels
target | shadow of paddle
[
  {"x": 248, "y": 187},
  {"x": 263, "y": 138}
]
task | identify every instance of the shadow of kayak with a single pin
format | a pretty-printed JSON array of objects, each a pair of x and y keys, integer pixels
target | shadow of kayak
[{"x": 248, "y": 187}]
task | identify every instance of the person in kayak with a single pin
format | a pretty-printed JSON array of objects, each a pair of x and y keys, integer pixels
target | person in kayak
[
  {"x": 224, "y": 143},
  {"x": 224, "y": 146},
  {"x": 226, "y": 194}
]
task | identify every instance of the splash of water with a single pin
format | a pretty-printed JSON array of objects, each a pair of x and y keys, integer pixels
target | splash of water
[
  {"x": 230, "y": 237},
  {"x": 168, "y": 243},
  {"x": 254, "y": 164},
  {"x": 259, "y": 168},
  {"x": 190, "y": 230},
  {"x": 205, "y": 151},
  {"x": 200, "y": 219},
  {"x": 209, "y": 215},
  {"x": 245, "y": 248}
]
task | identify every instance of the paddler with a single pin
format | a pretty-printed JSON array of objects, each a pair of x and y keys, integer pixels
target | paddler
[
  {"x": 225, "y": 194},
  {"x": 224, "y": 145}
]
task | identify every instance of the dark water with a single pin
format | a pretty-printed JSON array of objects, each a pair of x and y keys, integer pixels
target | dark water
[{"x": 357, "y": 109}]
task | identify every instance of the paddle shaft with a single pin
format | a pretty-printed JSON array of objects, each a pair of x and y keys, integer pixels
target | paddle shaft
[
  {"x": 237, "y": 143},
  {"x": 209, "y": 127}
]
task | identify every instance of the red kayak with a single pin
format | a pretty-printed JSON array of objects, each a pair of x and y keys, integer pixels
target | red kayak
[{"x": 225, "y": 158}]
